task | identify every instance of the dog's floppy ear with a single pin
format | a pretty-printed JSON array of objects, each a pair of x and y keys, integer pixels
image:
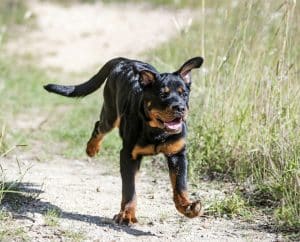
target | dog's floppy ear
[
  {"x": 147, "y": 77},
  {"x": 185, "y": 69},
  {"x": 147, "y": 74}
]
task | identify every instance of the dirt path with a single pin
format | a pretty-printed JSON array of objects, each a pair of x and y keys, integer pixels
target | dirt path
[
  {"x": 85, "y": 195},
  {"x": 82, "y": 36}
]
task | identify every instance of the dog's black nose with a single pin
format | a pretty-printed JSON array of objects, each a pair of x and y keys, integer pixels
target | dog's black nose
[{"x": 179, "y": 108}]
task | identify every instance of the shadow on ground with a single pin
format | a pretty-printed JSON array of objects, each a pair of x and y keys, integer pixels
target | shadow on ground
[{"x": 25, "y": 201}]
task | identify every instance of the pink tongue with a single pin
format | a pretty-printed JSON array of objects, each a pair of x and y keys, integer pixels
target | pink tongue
[{"x": 173, "y": 124}]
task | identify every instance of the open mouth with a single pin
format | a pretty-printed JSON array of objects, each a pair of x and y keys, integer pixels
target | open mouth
[{"x": 172, "y": 125}]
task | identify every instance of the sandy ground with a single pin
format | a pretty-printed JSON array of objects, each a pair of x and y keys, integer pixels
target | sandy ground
[
  {"x": 87, "y": 193},
  {"x": 82, "y": 36}
]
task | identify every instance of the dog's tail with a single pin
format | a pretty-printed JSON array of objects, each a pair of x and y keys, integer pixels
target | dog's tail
[{"x": 87, "y": 87}]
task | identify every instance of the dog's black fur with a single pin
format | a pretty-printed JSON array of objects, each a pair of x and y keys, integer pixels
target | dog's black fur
[{"x": 150, "y": 109}]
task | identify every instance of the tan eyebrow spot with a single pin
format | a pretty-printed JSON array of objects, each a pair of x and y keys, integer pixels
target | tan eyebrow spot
[
  {"x": 166, "y": 89},
  {"x": 148, "y": 104},
  {"x": 180, "y": 89}
]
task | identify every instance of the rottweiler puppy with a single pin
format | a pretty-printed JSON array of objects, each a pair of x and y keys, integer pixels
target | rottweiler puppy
[{"x": 150, "y": 109}]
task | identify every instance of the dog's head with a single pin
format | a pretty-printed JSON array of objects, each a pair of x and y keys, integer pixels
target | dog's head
[{"x": 166, "y": 96}]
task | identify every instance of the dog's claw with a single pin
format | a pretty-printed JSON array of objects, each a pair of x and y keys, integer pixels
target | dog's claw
[
  {"x": 194, "y": 209},
  {"x": 124, "y": 219}
]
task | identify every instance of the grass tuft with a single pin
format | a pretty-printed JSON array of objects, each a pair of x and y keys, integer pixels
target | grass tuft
[
  {"x": 74, "y": 235},
  {"x": 51, "y": 217},
  {"x": 231, "y": 206}
]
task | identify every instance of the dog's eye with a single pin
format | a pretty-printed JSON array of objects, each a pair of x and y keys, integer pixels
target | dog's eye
[
  {"x": 164, "y": 94},
  {"x": 183, "y": 94},
  {"x": 181, "y": 91}
]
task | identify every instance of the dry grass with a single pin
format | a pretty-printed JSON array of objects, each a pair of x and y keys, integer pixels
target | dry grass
[{"x": 245, "y": 109}]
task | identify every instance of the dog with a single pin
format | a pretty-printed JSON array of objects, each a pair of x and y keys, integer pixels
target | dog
[{"x": 150, "y": 110}]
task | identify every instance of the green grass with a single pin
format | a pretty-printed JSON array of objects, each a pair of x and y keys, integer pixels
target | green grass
[
  {"x": 13, "y": 234},
  {"x": 9, "y": 231},
  {"x": 3, "y": 146},
  {"x": 168, "y": 3},
  {"x": 74, "y": 236},
  {"x": 12, "y": 12},
  {"x": 231, "y": 206},
  {"x": 23, "y": 85},
  {"x": 245, "y": 109},
  {"x": 21, "y": 89},
  {"x": 51, "y": 217},
  {"x": 7, "y": 188}
]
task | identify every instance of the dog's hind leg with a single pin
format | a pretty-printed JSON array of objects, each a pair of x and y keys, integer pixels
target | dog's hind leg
[{"x": 108, "y": 120}]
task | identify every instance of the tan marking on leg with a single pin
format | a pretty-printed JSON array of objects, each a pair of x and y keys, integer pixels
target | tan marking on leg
[
  {"x": 117, "y": 123},
  {"x": 173, "y": 179},
  {"x": 182, "y": 202},
  {"x": 139, "y": 150},
  {"x": 127, "y": 213},
  {"x": 93, "y": 145}
]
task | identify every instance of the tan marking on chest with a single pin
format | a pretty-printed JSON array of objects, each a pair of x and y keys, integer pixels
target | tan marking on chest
[
  {"x": 171, "y": 148},
  {"x": 142, "y": 150},
  {"x": 168, "y": 148}
]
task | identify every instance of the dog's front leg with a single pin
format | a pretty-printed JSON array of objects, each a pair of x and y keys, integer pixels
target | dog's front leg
[
  {"x": 128, "y": 168},
  {"x": 178, "y": 174}
]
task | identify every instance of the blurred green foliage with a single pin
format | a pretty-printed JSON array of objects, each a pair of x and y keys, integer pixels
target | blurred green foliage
[
  {"x": 169, "y": 3},
  {"x": 12, "y": 12}
]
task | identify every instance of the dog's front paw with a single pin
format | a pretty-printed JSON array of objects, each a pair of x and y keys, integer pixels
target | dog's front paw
[
  {"x": 191, "y": 210},
  {"x": 194, "y": 209},
  {"x": 125, "y": 218}
]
